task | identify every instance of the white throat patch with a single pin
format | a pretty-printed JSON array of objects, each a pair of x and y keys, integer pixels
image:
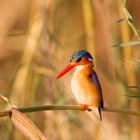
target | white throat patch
[{"x": 80, "y": 67}]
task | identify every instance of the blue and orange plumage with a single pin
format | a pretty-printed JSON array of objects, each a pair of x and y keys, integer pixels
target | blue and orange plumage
[{"x": 85, "y": 83}]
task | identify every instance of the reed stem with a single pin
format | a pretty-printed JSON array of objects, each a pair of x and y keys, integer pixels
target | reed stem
[{"x": 67, "y": 107}]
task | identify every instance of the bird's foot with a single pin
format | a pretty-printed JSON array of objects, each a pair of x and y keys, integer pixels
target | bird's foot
[{"x": 85, "y": 107}]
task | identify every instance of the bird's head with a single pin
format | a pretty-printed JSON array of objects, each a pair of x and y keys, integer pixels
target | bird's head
[{"x": 78, "y": 59}]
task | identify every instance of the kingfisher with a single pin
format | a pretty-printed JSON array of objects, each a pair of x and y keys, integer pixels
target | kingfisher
[{"x": 85, "y": 83}]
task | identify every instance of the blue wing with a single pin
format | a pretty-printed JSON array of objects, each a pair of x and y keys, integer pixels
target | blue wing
[{"x": 95, "y": 79}]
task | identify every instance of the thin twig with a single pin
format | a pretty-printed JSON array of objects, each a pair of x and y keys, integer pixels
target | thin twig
[
  {"x": 130, "y": 20},
  {"x": 67, "y": 107},
  {"x": 121, "y": 110}
]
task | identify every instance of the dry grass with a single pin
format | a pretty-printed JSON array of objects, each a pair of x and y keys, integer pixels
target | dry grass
[{"x": 36, "y": 41}]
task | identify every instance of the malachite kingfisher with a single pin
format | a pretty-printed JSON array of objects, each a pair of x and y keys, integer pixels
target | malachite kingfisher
[{"x": 85, "y": 83}]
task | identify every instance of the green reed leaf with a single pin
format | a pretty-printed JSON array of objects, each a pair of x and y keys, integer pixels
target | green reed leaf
[{"x": 131, "y": 43}]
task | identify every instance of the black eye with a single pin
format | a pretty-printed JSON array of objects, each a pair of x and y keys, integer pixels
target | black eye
[{"x": 79, "y": 59}]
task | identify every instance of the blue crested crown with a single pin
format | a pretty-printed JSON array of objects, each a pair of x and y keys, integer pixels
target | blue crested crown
[{"x": 78, "y": 55}]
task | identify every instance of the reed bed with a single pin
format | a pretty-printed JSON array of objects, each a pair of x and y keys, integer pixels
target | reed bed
[{"x": 37, "y": 39}]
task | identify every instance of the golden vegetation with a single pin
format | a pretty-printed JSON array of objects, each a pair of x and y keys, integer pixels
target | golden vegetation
[{"x": 36, "y": 41}]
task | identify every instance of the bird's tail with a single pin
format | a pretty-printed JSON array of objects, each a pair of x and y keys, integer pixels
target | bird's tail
[
  {"x": 96, "y": 115},
  {"x": 100, "y": 115}
]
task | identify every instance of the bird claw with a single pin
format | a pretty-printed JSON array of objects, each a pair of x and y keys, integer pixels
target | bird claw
[{"x": 85, "y": 107}]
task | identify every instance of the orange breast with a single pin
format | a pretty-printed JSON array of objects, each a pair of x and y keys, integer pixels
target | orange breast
[{"x": 84, "y": 89}]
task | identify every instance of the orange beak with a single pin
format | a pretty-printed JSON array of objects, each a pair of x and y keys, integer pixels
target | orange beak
[{"x": 65, "y": 70}]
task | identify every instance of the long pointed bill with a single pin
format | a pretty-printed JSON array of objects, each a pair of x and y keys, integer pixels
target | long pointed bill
[{"x": 65, "y": 70}]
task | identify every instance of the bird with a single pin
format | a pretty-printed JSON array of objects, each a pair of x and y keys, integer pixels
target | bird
[{"x": 85, "y": 83}]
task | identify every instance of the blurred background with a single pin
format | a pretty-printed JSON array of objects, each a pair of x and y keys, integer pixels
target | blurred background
[{"x": 37, "y": 37}]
